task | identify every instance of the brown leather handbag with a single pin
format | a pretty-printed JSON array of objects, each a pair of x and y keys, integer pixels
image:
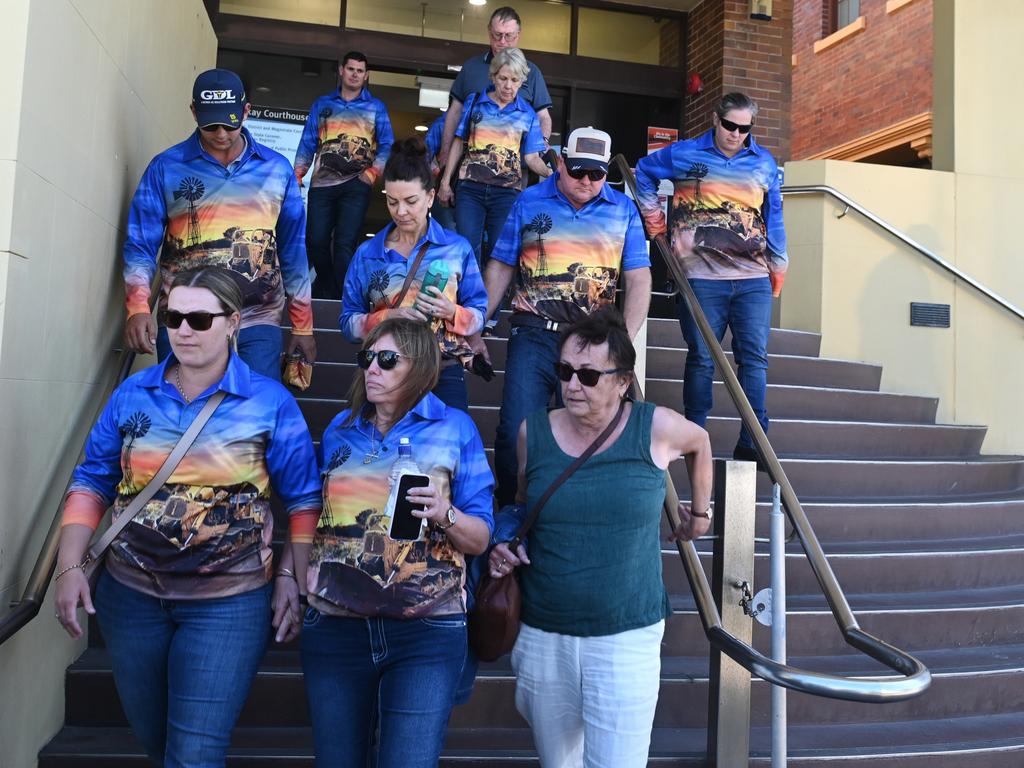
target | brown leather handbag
[{"x": 494, "y": 622}]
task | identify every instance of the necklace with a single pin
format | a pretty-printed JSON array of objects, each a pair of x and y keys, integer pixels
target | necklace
[
  {"x": 374, "y": 448},
  {"x": 177, "y": 383}
]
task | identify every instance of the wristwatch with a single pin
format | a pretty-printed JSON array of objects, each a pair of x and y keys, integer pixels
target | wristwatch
[
  {"x": 707, "y": 514},
  {"x": 451, "y": 519}
]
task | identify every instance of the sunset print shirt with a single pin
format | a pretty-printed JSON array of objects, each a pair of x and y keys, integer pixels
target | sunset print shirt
[
  {"x": 725, "y": 221},
  {"x": 347, "y": 138},
  {"x": 377, "y": 274},
  {"x": 355, "y": 568},
  {"x": 247, "y": 217},
  {"x": 497, "y": 139},
  {"x": 569, "y": 261},
  {"x": 206, "y": 533}
]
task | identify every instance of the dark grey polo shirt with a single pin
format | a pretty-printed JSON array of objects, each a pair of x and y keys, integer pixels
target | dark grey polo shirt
[{"x": 475, "y": 77}]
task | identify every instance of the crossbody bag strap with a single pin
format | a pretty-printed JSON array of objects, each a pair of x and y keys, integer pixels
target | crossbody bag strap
[
  {"x": 170, "y": 464},
  {"x": 576, "y": 464},
  {"x": 411, "y": 274}
]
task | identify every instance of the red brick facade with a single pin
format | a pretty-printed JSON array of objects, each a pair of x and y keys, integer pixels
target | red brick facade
[
  {"x": 864, "y": 83},
  {"x": 732, "y": 52}
]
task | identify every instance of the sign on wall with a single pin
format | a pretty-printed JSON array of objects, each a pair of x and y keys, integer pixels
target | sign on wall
[{"x": 279, "y": 129}]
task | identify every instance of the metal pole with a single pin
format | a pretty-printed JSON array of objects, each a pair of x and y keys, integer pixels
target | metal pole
[{"x": 778, "y": 579}]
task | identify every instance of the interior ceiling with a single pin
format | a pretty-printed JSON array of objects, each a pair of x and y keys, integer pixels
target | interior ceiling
[{"x": 671, "y": 5}]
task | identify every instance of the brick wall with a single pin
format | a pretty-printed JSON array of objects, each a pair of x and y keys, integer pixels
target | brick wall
[
  {"x": 733, "y": 52},
  {"x": 670, "y": 40},
  {"x": 864, "y": 83}
]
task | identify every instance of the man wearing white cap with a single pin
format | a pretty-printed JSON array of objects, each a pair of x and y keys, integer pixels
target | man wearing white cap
[{"x": 570, "y": 239}]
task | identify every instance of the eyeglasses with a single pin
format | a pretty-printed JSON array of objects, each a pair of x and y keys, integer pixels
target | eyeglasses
[
  {"x": 588, "y": 376},
  {"x": 386, "y": 358},
  {"x": 730, "y": 126},
  {"x": 217, "y": 126},
  {"x": 197, "y": 321},
  {"x": 594, "y": 174},
  {"x": 508, "y": 37}
]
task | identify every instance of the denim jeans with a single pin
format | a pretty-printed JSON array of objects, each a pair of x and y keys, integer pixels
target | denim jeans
[
  {"x": 530, "y": 382},
  {"x": 334, "y": 224},
  {"x": 259, "y": 346},
  {"x": 745, "y": 306},
  {"x": 443, "y": 215},
  {"x": 406, "y": 670},
  {"x": 451, "y": 387},
  {"x": 481, "y": 208},
  {"x": 183, "y": 668}
]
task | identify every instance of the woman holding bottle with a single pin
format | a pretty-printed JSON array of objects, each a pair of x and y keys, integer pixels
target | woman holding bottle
[
  {"x": 416, "y": 269},
  {"x": 385, "y": 630}
]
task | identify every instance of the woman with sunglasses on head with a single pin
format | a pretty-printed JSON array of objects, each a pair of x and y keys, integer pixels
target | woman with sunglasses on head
[
  {"x": 499, "y": 132},
  {"x": 587, "y": 659},
  {"x": 385, "y": 631},
  {"x": 184, "y": 600},
  {"x": 416, "y": 269}
]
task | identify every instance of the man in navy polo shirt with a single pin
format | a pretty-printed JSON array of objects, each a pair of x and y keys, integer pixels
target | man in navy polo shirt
[
  {"x": 569, "y": 239},
  {"x": 503, "y": 29},
  {"x": 349, "y": 133},
  {"x": 220, "y": 198}
]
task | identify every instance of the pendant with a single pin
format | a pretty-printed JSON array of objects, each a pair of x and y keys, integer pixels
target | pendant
[{"x": 370, "y": 457}]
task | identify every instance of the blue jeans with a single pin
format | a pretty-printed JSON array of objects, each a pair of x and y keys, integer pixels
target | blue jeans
[
  {"x": 404, "y": 669},
  {"x": 451, "y": 387},
  {"x": 481, "y": 208},
  {"x": 259, "y": 346},
  {"x": 443, "y": 215},
  {"x": 529, "y": 383},
  {"x": 334, "y": 224},
  {"x": 745, "y": 306},
  {"x": 183, "y": 668}
]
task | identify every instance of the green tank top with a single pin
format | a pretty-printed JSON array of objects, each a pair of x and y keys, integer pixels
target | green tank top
[{"x": 595, "y": 548}]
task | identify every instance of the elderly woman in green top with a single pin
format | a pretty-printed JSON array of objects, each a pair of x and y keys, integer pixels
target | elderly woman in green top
[{"x": 587, "y": 660}]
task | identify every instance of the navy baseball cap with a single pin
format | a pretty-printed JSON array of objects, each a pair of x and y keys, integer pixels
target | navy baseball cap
[
  {"x": 219, "y": 98},
  {"x": 588, "y": 149}
]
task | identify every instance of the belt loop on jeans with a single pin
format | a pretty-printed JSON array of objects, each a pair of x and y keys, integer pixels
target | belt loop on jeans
[{"x": 528, "y": 320}]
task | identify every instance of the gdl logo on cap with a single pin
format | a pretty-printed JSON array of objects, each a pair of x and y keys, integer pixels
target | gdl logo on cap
[{"x": 217, "y": 96}]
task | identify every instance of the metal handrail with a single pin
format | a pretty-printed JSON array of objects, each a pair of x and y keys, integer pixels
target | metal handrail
[
  {"x": 27, "y": 607},
  {"x": 916, "y": 678},
  {"x": 807, "y": 189}
]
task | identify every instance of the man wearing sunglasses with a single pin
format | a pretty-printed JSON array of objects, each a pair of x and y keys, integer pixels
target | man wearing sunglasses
[
  {"x": 725, "y": 226},
  {"x": 503, "y": 30},
  {"x": 220, "y": 198},
  {"x": 570, "y": 239}
]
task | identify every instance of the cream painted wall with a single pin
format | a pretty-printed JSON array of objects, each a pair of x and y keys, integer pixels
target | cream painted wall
[{"x": 92, "y": 90}]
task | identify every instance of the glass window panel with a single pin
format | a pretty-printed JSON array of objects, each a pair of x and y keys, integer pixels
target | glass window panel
[
  {"x": 310, "y": 11},
  {"x": 545, "y": 25},
  {"x": 847, "y": 12},
  {"x": 627, "y": 37}
]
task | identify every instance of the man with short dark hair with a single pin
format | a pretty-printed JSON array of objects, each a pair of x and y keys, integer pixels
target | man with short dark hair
[
  {"x": 726, "y": 229},
  {"x": 503, "y": 29},
  {"x": 349, "y": 133},
  {"x": 220, "y": 198},
  {"x": 569, "y": 239}
]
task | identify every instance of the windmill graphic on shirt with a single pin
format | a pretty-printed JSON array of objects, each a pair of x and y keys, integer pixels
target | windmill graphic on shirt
[
  {"x": 137, "y": 425},
  {"x": 339, "y": 457},
  {"x": 191, "y": 189},
  {"x": 541, "y": 224},
  {"x": 695, "y": 173}
]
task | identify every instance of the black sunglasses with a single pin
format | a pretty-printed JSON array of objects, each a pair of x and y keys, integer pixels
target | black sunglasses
[
  {"x": 588, "y": 376},
  {"x": 386, "y": 358},
  {"x": 218, "y": 126},
  {"x": 197, "y": 321},
  {"x": 730, "y": 126},
  {"x": 594, "y": 174}
]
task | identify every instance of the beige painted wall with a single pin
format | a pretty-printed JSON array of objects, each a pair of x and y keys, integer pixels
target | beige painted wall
[{"x": 92, "y": 89}]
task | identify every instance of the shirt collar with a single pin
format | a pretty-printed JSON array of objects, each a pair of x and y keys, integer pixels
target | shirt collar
[
  {"x": 237, "y": 379},
  {"x": 435, "y": 235},
  {"x": 707, "y": 141},
  {"x": 516, "y": 103},
  {"x": 364, "y": 95},
  {"x": 427, "y": 408},
  {"x": 194, "y": 148},
  {"x": 549, "y": 188}
]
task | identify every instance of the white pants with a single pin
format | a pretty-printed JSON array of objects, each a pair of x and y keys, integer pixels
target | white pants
[{"x": 589, "y": 700}]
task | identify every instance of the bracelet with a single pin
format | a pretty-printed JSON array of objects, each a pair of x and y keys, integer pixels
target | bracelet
[
  {"x": 70, "y": 568},
  {"x": 286, "y": 573}
]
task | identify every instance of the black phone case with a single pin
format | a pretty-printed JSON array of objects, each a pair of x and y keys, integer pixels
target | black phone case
[{"x": 404, "y": 525}]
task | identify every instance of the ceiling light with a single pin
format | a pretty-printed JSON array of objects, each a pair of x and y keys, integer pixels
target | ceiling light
[
  {"x": 421, "y": 128},
  {"x": 261, "y": 89},
  {"x": 478, "y": 2}
]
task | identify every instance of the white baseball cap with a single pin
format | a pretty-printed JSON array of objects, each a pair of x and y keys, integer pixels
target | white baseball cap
[{"x": 588, "y": 148}]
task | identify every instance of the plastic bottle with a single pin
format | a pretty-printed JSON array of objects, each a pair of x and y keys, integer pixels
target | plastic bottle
[
  {"x": 404, "y": 462},
  {"x": 436, "y": 277}
]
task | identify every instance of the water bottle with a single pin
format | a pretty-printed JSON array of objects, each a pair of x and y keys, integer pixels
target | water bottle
[
  {"x": 436, "y": 277},
  {"x": 404, "y": 463}
]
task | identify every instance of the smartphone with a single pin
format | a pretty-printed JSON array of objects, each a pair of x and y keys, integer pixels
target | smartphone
[{"x": 404, "y": 525}]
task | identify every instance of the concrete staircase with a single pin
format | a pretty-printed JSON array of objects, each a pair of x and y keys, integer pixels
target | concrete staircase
[{"x": 923, "y": 532}]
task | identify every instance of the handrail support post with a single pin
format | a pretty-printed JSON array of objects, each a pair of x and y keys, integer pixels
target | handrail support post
[
  {"x": 732, "y": 564},
  {"x": 777, "y": 535}
]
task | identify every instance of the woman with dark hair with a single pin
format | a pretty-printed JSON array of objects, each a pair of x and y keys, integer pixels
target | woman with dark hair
[
  {"x": 587, "y": 659},
  {"x": 385, "y": 631},
  {"x": 416, "y": 269},
  {"x": 184, "y": 600}
]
